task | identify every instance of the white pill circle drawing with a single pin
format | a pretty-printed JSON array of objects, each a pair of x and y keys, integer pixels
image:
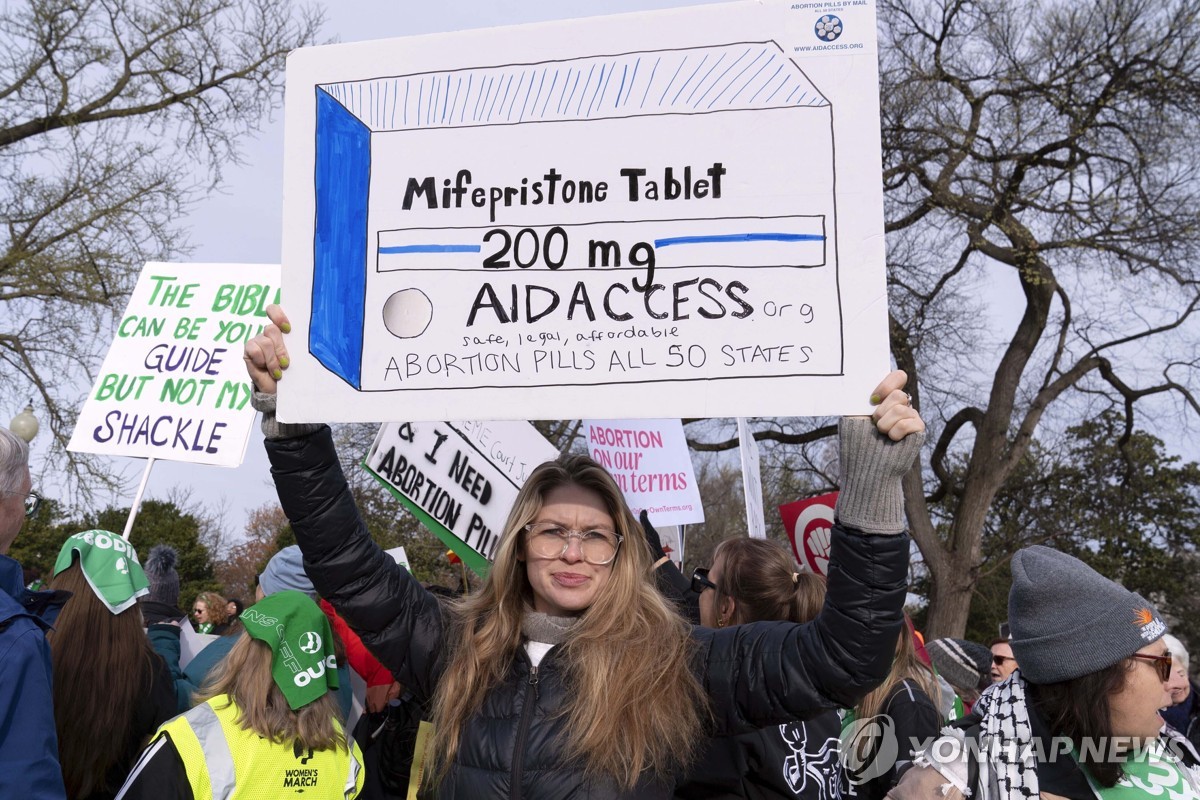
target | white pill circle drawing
[{"x": 407, "y": 313}]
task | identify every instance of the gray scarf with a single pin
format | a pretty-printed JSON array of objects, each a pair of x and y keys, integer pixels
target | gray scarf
[{"x": 539, "y": 627}]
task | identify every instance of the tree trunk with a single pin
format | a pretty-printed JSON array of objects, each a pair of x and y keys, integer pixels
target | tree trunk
[
  {"x": 958, "y": 563},
  {"x": 949, "y": 601}
]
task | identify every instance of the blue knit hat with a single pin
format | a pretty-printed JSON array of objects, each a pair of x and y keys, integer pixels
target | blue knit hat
[{"x": 285, "y": 570}]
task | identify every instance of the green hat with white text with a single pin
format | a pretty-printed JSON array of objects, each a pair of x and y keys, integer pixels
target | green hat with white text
[
  {"x": 110, "y": 565},
  {"x": 297, "y": 631}
]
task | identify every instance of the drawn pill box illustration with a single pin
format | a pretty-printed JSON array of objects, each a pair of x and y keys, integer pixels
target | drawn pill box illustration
[{"x": 641, "y": 217}]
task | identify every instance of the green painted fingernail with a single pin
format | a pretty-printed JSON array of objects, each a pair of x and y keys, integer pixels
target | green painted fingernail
[
  {"x": 286, "y": 327},
  {"x": 278, "y": 374},
  {"x": 284, "y": 361},
  {"x": 875, "y": 399}
]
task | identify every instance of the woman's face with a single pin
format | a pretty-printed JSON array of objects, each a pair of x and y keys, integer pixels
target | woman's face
[
  {"x": 1134, "y": 708},
  {"x": 200, "y": 612},
  {"x": 1178, "y": 686},
  {"x": 1003, "y": 652},
  {"x": 567, "y": 584},
  {"x": 710, "y": 615}
]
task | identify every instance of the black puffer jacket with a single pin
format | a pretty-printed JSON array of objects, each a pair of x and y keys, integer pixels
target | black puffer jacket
[
  {"x": 797, "y": 760},
  {"x": 756, "y": 675}
]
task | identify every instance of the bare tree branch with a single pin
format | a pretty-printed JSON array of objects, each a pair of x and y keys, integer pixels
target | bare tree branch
[{"x": 116, "y": 115}]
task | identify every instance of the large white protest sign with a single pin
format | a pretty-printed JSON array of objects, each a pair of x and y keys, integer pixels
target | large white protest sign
[
  {"x": 458, "y": 478},
  {"x": 173, "y": 385},
  {"x": 650, "y": 461},
  {"x": 676, "y": 211}
]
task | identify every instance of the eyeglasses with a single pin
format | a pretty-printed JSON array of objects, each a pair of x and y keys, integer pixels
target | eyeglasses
[
  {"x": 1161, "y": 663},
  {"x": 197, "y": 610},
  {"x": 551, "y": 540},
  {"x": 999, "y": 660},
  {"x": 700, "y": 581},
  {"x": 33, "y": 501}
]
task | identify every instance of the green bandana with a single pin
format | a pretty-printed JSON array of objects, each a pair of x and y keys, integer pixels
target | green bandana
[
  {"x": 110, "y": 565},
  {"x": 301, "y": 641}
]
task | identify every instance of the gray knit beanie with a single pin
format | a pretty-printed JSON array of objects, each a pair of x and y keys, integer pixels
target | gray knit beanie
[
  {"x": 1067, "y": 620},
  {"x": 285, "y": 570},
  {"x": 160, "y": 572},
  {"x": 962, "y": 663}
]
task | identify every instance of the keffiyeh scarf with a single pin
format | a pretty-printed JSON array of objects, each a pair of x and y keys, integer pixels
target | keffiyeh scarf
[{"x": 1008, "y": 770}]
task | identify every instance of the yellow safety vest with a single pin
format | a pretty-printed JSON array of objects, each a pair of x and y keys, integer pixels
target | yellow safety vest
[{"x": 227, "y": 762}]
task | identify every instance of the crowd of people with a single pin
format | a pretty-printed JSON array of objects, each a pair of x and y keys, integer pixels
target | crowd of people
[{"x": 585, "y": 666}]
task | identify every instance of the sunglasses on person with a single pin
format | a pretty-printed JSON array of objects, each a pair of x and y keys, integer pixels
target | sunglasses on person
[
  {"x": 700, "y": 581},
  {"x": 999, "y": 660},
  {"x": 197, "y": 610},
  {"x": 1162, "y": 664}
]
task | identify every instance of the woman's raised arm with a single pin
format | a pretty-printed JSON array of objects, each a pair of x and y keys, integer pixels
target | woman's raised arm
[
  {"x": 396, "y": 618},
  {"x": 772, "y": 672}
]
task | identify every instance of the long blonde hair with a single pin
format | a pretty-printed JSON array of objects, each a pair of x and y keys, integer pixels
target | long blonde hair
[
  {"x": 244, "y": 676},
  {"x": 905, "y": 666},
  {"x": 633, "y": 703}
]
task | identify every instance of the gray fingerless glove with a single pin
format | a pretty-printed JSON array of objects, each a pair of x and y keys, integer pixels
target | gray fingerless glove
[
  {"x": 272, "y": 428},
  {"x": 871, "y": 498}
]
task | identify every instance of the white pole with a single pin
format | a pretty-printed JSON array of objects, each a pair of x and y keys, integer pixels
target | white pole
[
  {"x": 137, "y": 500},
  {"x": 756, "y": 524}
]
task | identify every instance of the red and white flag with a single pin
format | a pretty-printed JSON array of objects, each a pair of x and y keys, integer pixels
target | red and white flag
[{"x": 809, "y": 525}]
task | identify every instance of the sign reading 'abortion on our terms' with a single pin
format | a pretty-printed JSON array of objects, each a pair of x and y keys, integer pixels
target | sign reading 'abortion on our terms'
[
  {"x": 664, "y": 214},
  {"x": 173, "y": 385},
  {"x": 649, "y": 459}
]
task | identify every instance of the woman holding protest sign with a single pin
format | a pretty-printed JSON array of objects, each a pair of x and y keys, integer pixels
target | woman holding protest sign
[
  {"x": 568, "y": 674},
  {"x": 111, "y": 690}
]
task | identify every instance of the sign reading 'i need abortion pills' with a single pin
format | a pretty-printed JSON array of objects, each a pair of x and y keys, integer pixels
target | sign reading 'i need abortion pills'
[{"x": 664, "y": 214}]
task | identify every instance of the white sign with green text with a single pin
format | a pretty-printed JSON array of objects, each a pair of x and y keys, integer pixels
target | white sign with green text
[{"x": 173, "y": 385}]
